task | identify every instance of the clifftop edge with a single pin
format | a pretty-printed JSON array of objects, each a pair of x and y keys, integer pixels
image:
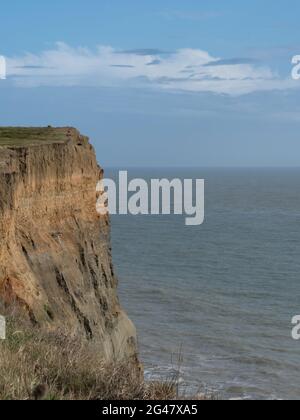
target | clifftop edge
[{"x": 33, "y": 136}]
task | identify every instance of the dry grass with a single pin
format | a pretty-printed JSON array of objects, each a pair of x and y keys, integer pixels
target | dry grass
[{"x": 39, "y": 365}]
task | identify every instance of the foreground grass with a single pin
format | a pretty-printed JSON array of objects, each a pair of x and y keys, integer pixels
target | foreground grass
[{"x": 39, "y": 365}]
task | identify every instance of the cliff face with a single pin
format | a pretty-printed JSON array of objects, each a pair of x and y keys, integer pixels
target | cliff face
[{"x": 55, "y": 255}]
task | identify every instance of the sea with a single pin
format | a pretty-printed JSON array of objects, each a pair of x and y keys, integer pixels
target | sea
[{"x": 214, "y": 303}]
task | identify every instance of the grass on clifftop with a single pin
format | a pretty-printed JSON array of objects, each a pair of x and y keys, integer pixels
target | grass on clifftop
[
  {"x": 37, "y": 365},
  {"x": 27, "y": 136}
]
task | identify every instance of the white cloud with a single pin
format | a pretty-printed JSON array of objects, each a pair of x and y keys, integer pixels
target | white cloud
[{"x": 188, "y": 70}]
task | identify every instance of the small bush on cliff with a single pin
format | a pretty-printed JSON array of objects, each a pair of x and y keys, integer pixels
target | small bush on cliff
[{"x": 39, "y": 365}]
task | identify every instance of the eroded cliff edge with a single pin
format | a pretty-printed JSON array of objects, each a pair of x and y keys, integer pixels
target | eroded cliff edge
[{"x": 55, "y": 253}]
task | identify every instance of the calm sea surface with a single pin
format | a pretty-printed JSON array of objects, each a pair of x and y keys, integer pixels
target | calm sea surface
[{"x": 221, "y": 294}]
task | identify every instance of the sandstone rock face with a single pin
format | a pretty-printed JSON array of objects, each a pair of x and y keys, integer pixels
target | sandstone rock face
[{"x": 55, "y": 254}]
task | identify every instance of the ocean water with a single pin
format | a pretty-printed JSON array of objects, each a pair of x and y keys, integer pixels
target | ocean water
[{"x": 220, "y": 296}]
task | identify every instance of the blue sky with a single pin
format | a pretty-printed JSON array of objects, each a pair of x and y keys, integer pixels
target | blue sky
[{"x": 158, "y": 83}]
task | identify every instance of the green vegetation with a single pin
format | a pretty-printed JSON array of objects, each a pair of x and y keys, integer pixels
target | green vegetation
[
  {"x": 28, "y": 136},
  {"x": 38, "y": 365}
]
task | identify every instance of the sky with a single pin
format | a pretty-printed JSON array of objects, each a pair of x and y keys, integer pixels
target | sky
[{"x": 158, "y": 83}]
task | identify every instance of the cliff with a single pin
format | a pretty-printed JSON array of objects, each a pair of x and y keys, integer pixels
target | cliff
[{"x": 55, "y": 253}]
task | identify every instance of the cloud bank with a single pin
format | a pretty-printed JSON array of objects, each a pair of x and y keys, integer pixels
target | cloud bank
[{"x": 187, "y": 70}]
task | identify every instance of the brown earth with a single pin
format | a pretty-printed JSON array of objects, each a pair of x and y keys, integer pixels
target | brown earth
[{"x": 55, "y": 253}]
